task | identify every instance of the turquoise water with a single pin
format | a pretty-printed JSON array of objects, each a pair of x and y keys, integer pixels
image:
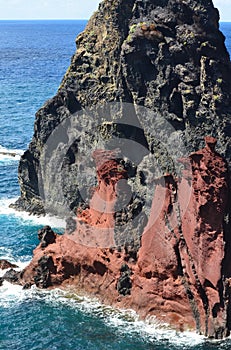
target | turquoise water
[{"x": 34, "y": 56}]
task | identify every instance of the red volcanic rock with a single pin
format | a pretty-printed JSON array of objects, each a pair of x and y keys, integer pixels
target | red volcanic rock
[
  {"x": 187, "y": 243},
  {"x": 178, "y": 275},
  {"x": 95, "y": 225}
]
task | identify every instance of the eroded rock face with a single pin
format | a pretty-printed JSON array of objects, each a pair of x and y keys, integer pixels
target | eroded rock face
[
  {"x": 192, "y": 236},
  {"x": 178, "y": 274},
  {"x": 95, "y": 226}
]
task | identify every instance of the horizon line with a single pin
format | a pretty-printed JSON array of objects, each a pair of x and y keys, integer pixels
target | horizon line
[
  {"x": 44, "y": 19},
  {"x": 67, "y": 19}
]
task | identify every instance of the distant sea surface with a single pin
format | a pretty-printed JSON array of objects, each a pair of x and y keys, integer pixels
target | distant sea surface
[{"x": 34, "y": 56}]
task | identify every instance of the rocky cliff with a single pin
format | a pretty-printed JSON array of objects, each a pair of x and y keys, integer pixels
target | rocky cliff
[{"x": 120, "y": 152}]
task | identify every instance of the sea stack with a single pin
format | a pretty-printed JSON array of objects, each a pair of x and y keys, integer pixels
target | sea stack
[{"x": 156, "y": 74}]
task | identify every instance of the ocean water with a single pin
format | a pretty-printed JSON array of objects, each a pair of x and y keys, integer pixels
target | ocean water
[{"x": 34, "y": 56}]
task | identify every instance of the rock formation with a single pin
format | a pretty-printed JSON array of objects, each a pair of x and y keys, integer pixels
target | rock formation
[
  {"x": 157, "y": 241},
  {"x": 166, "y": 55},
  {"x": 178, "y": 274}
]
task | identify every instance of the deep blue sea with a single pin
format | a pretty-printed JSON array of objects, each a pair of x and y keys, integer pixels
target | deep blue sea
[{"x": 34, "y": 56}]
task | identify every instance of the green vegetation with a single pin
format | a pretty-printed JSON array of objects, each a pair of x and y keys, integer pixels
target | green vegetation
[
  {"x": 216, "y": 97},
  {"x": 132, "y": 29}
]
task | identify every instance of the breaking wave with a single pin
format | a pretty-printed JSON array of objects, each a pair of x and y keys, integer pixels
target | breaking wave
[
  {"x": 121, "y": 322},
  {"x": 52, "y": 221},
  {"x": 9, "y": 155}
]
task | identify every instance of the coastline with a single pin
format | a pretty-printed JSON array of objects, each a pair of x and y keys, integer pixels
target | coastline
[
  {"x": 119, "y": 319},
  {"x": 176, "y": 267}
]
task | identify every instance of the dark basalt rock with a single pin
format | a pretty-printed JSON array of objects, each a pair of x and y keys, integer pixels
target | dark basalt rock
[
  {"x": 27, "y": 286},
  {"x": 124, "y": 284},
  {"x": 46, "y": 236},
  {"x": 70, "y": 225},
  {"x": 12, "y": 276},
  {"x": 166, "y": 55},
  {"x": 42, "y": 275}
]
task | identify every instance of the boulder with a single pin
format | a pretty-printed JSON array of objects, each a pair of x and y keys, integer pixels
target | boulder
[{"x": 4, "y": 264}]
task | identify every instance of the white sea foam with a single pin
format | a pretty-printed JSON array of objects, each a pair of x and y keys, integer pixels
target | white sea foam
[
  {"x": 21, "y": 266},
  {"x": 123, "y": 321},
  {"x": 153, "y": 330},
  {"x": 52, "y": 221},
  {"x": 10, "y": 154},
  {"x": 7, "y": 254},
  {"x": 10, "y": 293}
]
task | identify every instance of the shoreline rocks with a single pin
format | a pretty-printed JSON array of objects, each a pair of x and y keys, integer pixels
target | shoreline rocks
[{"x": 4, "y": 264}]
